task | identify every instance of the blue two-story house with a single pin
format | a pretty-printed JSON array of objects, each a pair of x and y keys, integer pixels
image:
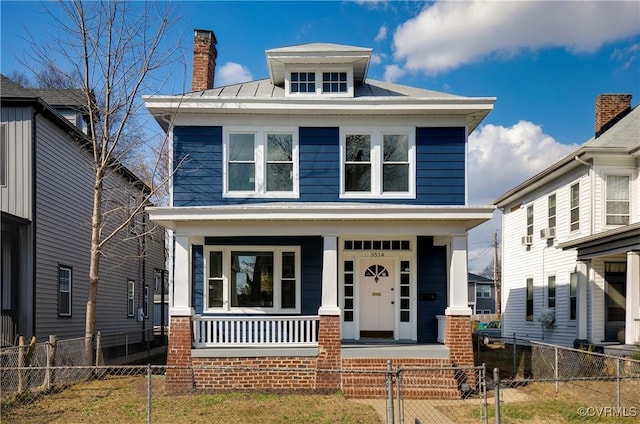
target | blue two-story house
[{"x": 316, "y": 208}]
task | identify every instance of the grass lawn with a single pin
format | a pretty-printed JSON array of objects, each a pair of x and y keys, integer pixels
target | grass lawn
[{"x": 123, "y": 400}]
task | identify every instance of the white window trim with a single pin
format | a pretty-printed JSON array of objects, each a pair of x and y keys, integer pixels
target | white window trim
[
  {"x": 260, "y": 158},
  {"x": 131, "y": 283},
  {"x": 605, "y": 199},
  {"x": 318, "y": 69},
  {"x": 277, "y": 278},
  {"x": 577, "y": 207},
  {"x": 377, "y": 134},
  {"x": 70, "y": 271},
  {"x": 555, "y": 213}
]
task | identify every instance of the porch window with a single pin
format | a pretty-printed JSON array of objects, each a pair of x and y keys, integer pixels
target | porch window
[
  {"x": 64, "y": 291},
  {"x": 347, "y": 308},
  {"x": 551, "y": 291},
  {"x": 575, "y": 207},
  {"x": 618, "y": 199},
  {"x": 378, "y": 164},
  {"x": 262, "y": 163},
  {"x": 130, "y": 297},
  {"x": 573, "y": 296},
  {"x": 405, "y": 291},
  {"x": 253, "y": 279},
  {"x": 529, "y": 312}
]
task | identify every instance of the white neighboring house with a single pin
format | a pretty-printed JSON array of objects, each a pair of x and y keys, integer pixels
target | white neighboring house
[{"x": 571, "y": 240}]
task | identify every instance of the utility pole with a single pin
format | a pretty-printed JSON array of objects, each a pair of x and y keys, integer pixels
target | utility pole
[{"x": 496, "y": 274}]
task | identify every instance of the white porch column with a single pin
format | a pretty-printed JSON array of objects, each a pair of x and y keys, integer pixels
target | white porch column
[
  {"x": 181, "y": 278},
  {"x": 329, "y": 305},
  {"x": 631, "y": 335},
  {"x": 458, "y": 277},
  {"x": 581, "y": 300}
]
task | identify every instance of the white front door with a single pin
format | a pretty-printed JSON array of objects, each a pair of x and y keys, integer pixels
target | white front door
[{"x": 377, "y": 298}]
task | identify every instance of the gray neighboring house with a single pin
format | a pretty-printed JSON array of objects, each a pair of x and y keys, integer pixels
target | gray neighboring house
[
  {"x": 46, "y": 189},
  {"x": 482, "y": 295}
]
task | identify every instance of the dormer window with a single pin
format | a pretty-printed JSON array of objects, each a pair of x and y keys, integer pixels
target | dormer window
[
  {"x": 320, "y": 82},
  {"x": 334, "y": 82},
  {"x": 303, "y": 82}
]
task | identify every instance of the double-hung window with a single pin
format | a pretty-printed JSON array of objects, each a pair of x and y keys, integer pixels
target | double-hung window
[
  {"x": 574, "y": 207},
  {"x": 131, "y": 287},
  {"x": 529, "y": 300},
  {"x": 551, "y": 291},
  {"x": 253, "y": 279},
  {"x": 64, "y": 291},
  {"x": 262, "y": 163},
  {"x": 377, "y": 163},
  {"x": 618, "y": 199},
  {"x": 530, "y": 220},
  {"x": 573, "y": 296},
  {"x": 551, "y": 211}
]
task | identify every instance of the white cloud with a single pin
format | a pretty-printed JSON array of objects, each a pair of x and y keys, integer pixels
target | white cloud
[
  {"x": 449, "y": 34},
  {"x": 377, "y": 58},
  {"x": 500, "y": 158},
  {"x": 232, "y": 73},
  {"x": 393, "y": 72},
  {"x": 382, "y": 33}
]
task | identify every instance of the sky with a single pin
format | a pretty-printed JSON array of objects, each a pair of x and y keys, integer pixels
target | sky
[{"x": 544, "y": 61}]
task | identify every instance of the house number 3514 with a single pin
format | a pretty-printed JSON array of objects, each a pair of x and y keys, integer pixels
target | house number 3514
[{"x": 377, "y": 254}]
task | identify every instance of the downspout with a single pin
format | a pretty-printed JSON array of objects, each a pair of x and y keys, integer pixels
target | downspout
[
  {"x": 591, "y": 193},
  {"x": 33, "y": 224}
]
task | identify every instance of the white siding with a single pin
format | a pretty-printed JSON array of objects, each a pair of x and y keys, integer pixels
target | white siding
[
  {"x": 541, "y": 260},
  {"x": 15, "y": 197}
]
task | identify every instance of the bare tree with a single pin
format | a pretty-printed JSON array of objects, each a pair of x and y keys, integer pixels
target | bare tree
[{"x": 115, "y": 49}]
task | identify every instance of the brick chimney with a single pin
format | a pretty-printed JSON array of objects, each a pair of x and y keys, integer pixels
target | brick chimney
[
  {"x": 204, "y": 59},
  {"x": 610, "y": 108}
]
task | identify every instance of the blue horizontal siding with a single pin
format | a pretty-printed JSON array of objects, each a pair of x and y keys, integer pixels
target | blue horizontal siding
[
  {"x": 440, "y": 167},
  {"x": 311, "y": 263},
  {"x": 197, "y": 158},
  {"x": 440, "y": 155},
  {"x": 432, "y": 281}
]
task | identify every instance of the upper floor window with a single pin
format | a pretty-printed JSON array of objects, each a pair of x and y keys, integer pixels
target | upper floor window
[
  {"x": 551, "y": 211},
  {"x": 618, "y": 199},
  {"x": 261, "y": 164},
  {"x": 530, "y": 220},
  {"x": 253, "y": 279},
  {"x": 575, "y": 207},
  {"x": 483, "y": 291},
  {"x": 334, "y": 82},
  {"x": 376, "y": 163},
  {"x": 337, "y": 82},
  {"x": 303, "y": 82},
  {"x": 64, "y": 291}
]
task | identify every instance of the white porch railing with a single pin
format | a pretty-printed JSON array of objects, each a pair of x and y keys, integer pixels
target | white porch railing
[{"x": 255, "y": 331}]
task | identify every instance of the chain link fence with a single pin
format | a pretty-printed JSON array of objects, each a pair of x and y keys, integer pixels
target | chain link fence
[{"x": 565, "y": 385}]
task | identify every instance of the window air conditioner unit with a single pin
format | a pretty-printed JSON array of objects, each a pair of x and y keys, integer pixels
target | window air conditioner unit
[
  {"x": 548, "y": 233},
  {"x": 527, "y": 240}
]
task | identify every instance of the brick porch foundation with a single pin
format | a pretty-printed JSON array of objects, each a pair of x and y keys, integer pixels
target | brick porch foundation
[
  {"x": 179, "y": 376},
  {"x": 458, "y": 340},
  {"x": 329, "y": 353}
]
